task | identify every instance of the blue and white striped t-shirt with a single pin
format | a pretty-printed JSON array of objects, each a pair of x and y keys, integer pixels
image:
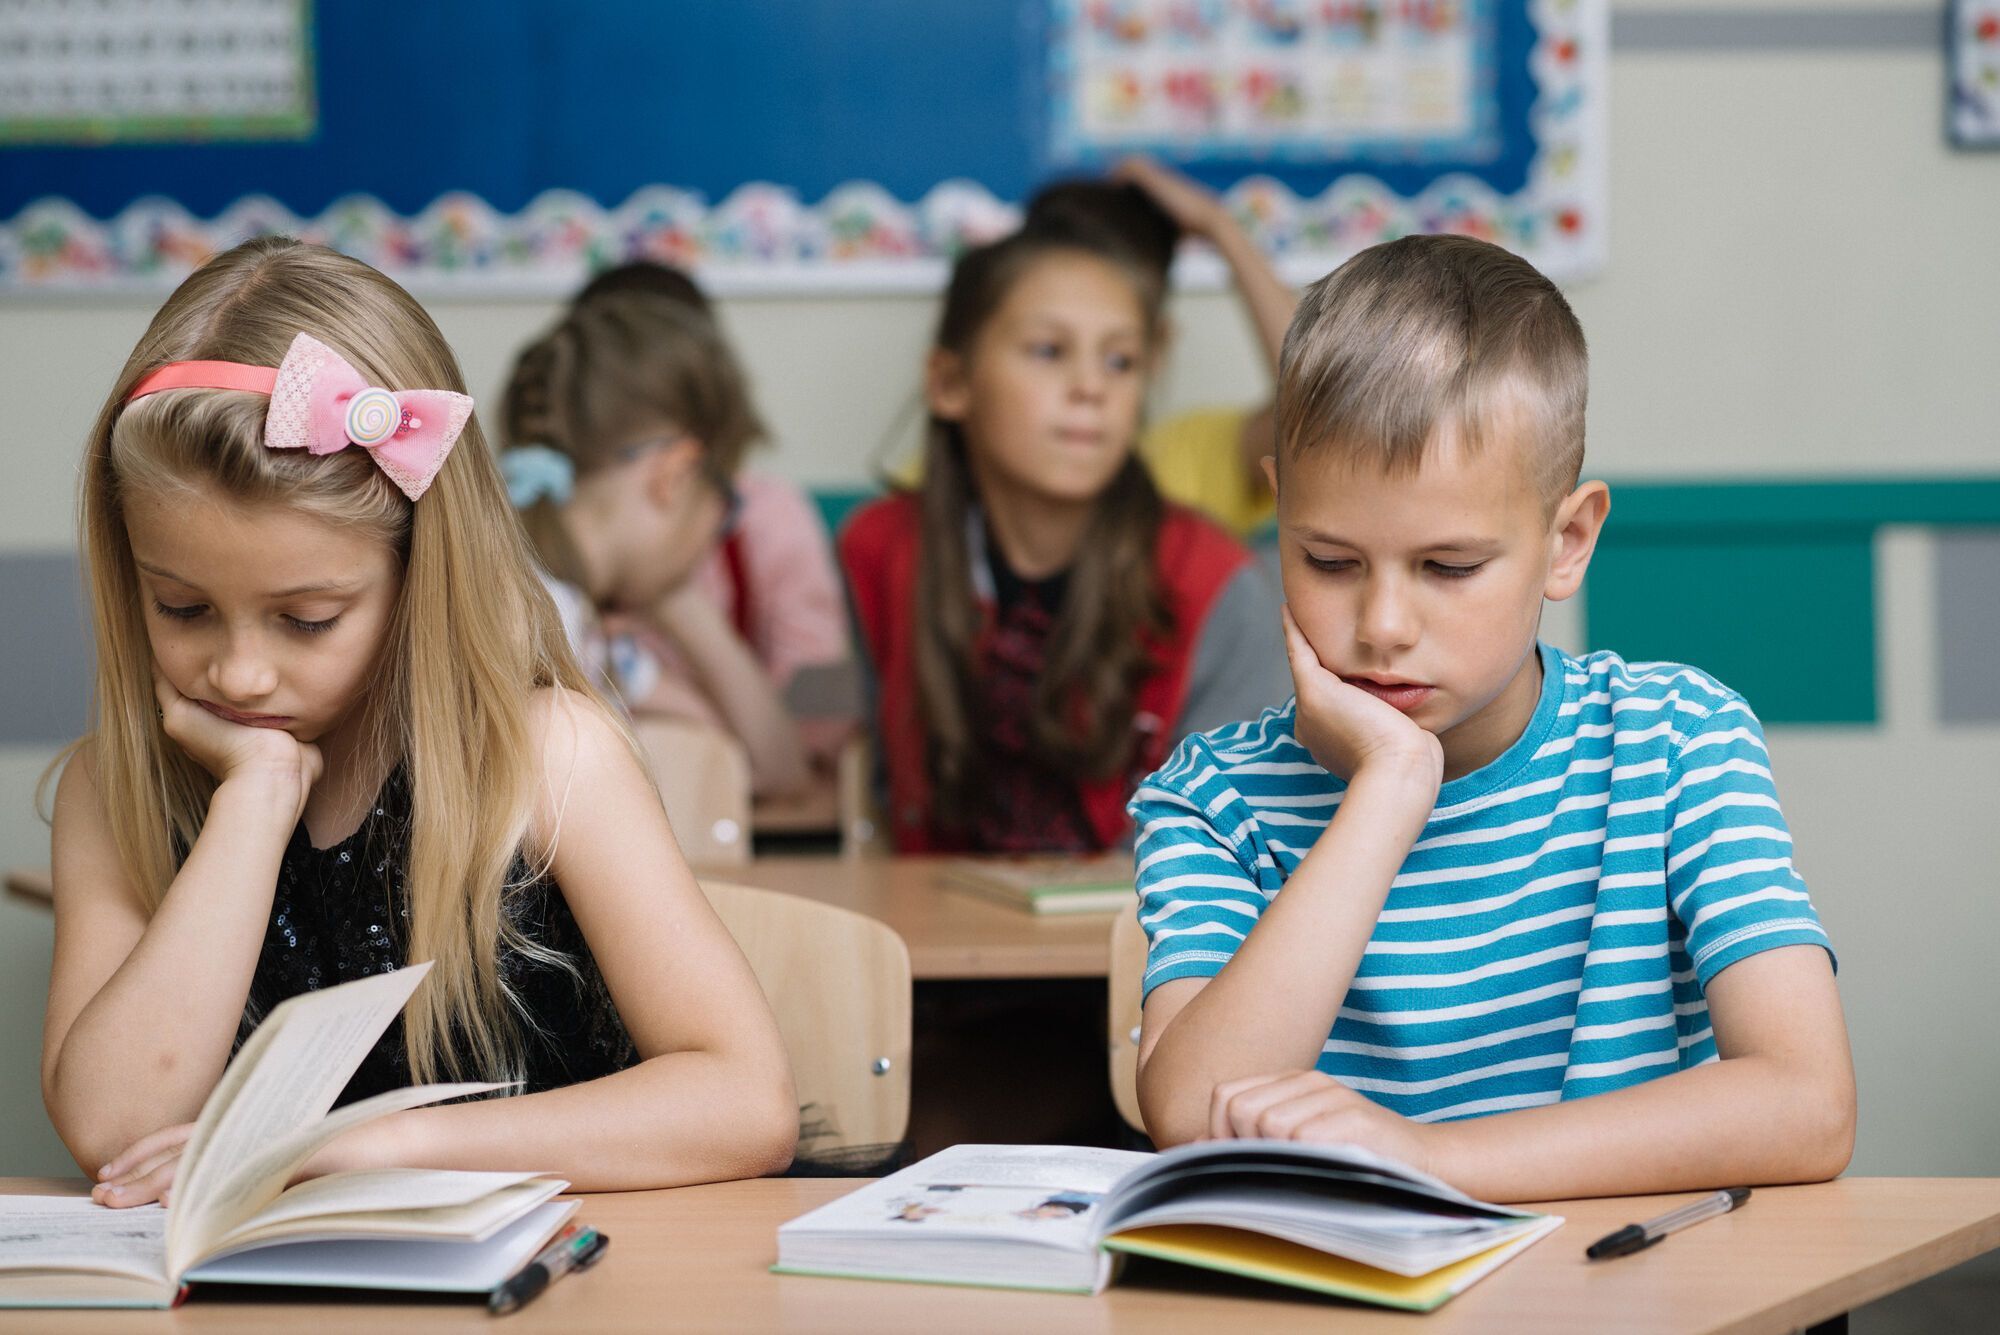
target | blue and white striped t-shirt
[{"x": 1550, "y": 934}]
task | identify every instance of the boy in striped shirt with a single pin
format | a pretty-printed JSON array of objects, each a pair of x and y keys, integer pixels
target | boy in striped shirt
[{"x": 1464, "y": 880}]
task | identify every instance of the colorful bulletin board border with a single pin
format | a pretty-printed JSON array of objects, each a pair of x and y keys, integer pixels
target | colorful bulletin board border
[{"x": 859, "y": 238}]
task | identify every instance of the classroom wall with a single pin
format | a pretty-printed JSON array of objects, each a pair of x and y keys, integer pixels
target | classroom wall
[{"x": 1801, "y": 284}]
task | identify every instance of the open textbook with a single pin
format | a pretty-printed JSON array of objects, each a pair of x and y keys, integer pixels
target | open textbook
[
  {"x": 233, "y": 1220},
  {"x": 1335, "y": 1219}
]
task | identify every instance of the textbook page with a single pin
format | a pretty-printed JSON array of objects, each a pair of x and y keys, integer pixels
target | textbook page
[
  {"x": 76, "y": 1233},
  {"x": 260, "y": 1178},
  {"x": 268, "y": 1114},
  {"x": 392, "y": 1210}
]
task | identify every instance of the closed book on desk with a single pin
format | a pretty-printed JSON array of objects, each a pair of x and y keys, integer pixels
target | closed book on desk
[
  {"x": 1334, "y": 1219},
  {"x": 1048, "y": 885},
  {"x": 234, "y": 1221}
]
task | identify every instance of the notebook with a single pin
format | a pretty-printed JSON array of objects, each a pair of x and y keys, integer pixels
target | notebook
[
  {"x": 1335, "y": 1219},
  {"x": 234, "y": 1220},
  {"x": 1048, "y": 885}
]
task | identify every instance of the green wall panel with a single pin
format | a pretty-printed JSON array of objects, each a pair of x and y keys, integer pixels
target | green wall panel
[{"x": 1788, "y": 618}]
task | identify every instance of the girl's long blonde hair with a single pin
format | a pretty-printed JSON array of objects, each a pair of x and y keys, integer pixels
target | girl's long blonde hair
[{"x": 472, "y": 636}]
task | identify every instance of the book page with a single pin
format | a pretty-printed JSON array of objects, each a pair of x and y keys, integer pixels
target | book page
[
  {"x": 76, "y": 1233},
  {"x": 460, "y": 1220},
  {"x": 256, "y": 1179},
  {"x": 419, "y": 1194},
  {"x": 1041, "y": 1194},
  {"x": 283, "y": 1079}
]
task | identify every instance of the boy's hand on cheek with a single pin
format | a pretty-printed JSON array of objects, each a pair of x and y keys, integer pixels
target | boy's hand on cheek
[
  {"x": 1312, "y": 1106},
  {"x": 1349, "y": 731}
]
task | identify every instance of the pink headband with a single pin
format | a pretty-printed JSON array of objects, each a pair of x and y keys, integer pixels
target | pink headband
[{"x": 320, "y": 403}]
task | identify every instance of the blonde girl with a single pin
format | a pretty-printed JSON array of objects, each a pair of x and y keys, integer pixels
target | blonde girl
[{"x": 338, "y": 729}]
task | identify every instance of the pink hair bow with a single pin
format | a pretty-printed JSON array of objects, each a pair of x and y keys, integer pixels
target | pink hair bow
[{"x": 321, "y": 403}]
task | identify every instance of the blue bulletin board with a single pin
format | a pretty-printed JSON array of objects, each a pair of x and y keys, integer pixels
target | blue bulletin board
[{"x": 843, "y": 144}]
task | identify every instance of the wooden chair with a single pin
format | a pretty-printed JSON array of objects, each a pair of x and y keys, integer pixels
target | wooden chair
[
  {"x": 839, "y": 983},
  {"x": 704, "y": 780},
  {"x": 862, "y": 829},
  {"x": 1127, "y": 973}
]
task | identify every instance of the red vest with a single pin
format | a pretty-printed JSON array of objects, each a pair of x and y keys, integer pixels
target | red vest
[{"x": 881, "y": 547}]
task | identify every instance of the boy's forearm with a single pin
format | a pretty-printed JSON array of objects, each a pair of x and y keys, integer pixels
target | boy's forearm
[
  {"x": 1273, "y": 1004},
  {"x": 1748, "y": 1121}
]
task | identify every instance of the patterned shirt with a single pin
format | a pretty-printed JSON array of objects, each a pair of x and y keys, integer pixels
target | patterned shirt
[{"x": 1552, "y": 932}]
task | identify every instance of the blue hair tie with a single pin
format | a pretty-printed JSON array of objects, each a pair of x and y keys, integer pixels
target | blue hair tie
[{"x": 536, "y": 471}]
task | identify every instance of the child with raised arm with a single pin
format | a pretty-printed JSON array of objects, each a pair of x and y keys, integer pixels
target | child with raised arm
[
  {"x": 1526, "y": 920},
  {"x": 339, "y": 729},
  {"x": 1209, "y": 457}
]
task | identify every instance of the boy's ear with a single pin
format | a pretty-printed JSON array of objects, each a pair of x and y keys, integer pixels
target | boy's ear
[
  {"x": 1573, "y": 534},
  {"x": 946, "y": 392},
  {"x": 1270, "y": 462}
]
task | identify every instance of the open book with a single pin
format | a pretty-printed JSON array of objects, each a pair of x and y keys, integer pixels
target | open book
[
  {"x": 1335, "y": 1219},
  {"x": 232, "y": 1218}
]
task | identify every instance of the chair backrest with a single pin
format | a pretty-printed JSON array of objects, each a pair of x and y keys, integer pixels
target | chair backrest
[
  {"x": 862, "y": 829},
  {"x": 704, "y": 779},
  {"x": 1127, "y": 974},
  {"x": 839, "y": 983}
]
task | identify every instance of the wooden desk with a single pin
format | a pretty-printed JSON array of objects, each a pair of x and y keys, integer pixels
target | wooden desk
[
  {"x": 950, "y": 933},
  {"x": 696, "y": 1258}
]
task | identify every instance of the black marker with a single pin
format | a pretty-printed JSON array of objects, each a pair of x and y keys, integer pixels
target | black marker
[
  {"x": 1638, "y": 1237},
  {"x": 575, "y": 1248}
]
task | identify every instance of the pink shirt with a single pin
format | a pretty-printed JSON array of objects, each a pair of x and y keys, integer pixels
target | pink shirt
[{"x": 798, "y": 612}]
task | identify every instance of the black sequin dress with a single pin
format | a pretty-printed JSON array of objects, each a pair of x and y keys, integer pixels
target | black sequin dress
[{"x": 339, "y": 914}]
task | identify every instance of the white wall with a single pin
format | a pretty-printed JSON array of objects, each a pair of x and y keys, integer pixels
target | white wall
[{"x": 1802, "y": 280}]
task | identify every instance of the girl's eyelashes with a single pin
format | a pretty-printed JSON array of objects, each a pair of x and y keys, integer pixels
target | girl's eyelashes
[
  {"x": 1331, "y": 564},
  {"x": 193, "y": 610},
  {"x": 1452, "y": 571}
]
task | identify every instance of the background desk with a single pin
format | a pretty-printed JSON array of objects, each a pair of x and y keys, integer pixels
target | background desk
[
  {"x": 696, "y": 1258},
  {"x": 950, "y": 933}
]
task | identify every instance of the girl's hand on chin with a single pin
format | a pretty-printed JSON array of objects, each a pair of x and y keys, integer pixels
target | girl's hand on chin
[
  {"x": 270, "y": 758},
  {"x": 1348, "y": 730}
]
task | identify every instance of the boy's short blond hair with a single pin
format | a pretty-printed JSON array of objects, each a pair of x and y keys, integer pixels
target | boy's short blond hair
[{"x": 1411, "y": 335}]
